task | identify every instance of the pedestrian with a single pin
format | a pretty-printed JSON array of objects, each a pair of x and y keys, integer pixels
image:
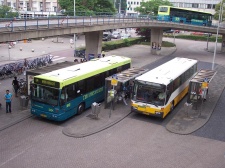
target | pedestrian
[
  {"x": 103, "y": 54},
  {"x": 16, "y": 85},
  {"x": 25, "y": 66},
  {"x": 8, "y": 99}
]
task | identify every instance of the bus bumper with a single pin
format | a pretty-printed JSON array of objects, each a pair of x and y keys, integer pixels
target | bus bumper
[
  {"x": 47, "y": 115},
  {"x": 156, "y": 114}
]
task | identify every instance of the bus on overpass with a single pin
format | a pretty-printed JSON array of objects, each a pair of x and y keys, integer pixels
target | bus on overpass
[{"x": 183, "y": 15}]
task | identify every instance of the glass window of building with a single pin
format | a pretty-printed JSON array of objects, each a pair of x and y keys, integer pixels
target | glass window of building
[
  {"x": 209, "y": 6},
  {"x": 194, "y": 5},
  {"x": 137, "y": 3},
  {"x": 202, "y": 6},
  {"x": 181, "y": 5},
  {"x": 187, "y": 5},
  {"x": 214, "y": 6},
  {"x": 134, "y": 3},
  {"x": 128, "y": 2},
  {"x": 175, "y": 4}
]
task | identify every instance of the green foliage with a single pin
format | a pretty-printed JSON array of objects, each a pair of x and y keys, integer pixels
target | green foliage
[
  {"x": 151, "y": 7},
  {"x": 111, "y": 45},
  {"x": 86, "y": 7},
  {"x": 6, "y": 12},
  {"x": 217, "y": 11},
  {"x": 144, "y": 32},
  {"x": 194, "y": 37}
]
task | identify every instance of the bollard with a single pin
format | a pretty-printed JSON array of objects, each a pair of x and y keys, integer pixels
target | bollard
[
  {"x": 43, "y": 39},
  {"x": 21, "y": 48},
  {"x": 32, "y": 50}
]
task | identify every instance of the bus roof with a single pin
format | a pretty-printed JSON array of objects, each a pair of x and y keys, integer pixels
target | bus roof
[
  {"x": 84, "y": 70},
  {"x": 168, "y": 71},
  {"x": 187, "y": 9}
]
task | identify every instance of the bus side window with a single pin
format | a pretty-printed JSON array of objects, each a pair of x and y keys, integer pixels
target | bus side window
[
  {"x": 90, "y": 84},
  {"x": 80, "y": 88},
  {"x": 71, "y": 91}
]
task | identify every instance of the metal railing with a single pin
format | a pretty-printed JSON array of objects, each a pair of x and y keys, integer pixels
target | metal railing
[{"x": 11, "y": 25}]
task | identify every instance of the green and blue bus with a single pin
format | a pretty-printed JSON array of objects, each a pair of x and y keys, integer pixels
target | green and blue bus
[
  {"x": 183, "y": 15},
  {"x": 60, "y": 94}
]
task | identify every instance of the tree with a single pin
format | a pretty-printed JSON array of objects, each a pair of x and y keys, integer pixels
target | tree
[
  {"x": 89, "y": 7},
  {"x": 217, "y": 11},
  {"x": 104, "y": 6},
  {"x": 6, "y": 12},
  {"x": 149, "y": 8}
]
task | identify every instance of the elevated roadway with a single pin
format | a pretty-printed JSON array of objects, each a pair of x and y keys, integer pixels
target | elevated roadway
[{"x": 92, "y": 27}]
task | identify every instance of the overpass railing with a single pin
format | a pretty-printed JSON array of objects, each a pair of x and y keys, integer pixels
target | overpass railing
[{"x": 13, "y": 25}]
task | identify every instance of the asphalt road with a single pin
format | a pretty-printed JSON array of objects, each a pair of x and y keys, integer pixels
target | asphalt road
[{"x": 137, "y": 141}]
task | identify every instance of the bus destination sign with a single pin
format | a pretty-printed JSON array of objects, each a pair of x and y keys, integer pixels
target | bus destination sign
[{"x": 46, "y": 82}]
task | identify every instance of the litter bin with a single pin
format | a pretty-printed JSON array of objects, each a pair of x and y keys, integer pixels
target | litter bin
[
  {"x": 24, "y": 101},
  {"x": 95, "y": 108}
]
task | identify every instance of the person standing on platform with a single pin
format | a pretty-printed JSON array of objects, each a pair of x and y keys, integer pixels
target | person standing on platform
[
  {"x": 8, "y": 99},
  {"x": 103, "y": 54},
  {"x": 16, "y": 86}
]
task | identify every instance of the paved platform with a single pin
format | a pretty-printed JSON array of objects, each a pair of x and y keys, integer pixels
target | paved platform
[
  {"x": 184, "y": 122},
  {"x": 189, "y": 119},
  {"x": 18, "y": 114}
]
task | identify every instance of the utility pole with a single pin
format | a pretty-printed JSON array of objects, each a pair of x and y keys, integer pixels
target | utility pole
[
  {"x": 120, "y": 7},
  {"x": 74, "y": 36},
  {"x": 217, "y": 32}
]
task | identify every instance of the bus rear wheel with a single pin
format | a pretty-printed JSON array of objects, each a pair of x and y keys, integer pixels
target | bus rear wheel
[{"x": 80, "y": 109}]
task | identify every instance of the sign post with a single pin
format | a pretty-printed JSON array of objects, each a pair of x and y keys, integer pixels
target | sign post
[{"x": 112, "y": 93}]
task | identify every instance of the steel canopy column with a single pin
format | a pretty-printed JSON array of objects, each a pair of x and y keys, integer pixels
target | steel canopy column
[
  {"x": 93, "y": 43},
  {"x": 156, "y": 40}
]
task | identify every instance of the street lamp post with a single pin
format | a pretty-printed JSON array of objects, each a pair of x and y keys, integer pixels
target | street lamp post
[
  {"x": 9, "y": 47},
  {"x": 74, "y": 37},
  {"x": 120, "y": 7},
  {"x": 217, "y": 32}
]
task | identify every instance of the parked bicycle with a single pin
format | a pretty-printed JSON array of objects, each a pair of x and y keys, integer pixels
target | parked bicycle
[{"x": 79, "y": 53}]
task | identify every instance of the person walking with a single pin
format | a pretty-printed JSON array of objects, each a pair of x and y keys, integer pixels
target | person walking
[
  {"x": 8, "y": 99},
  {"x": 15, "y": 84}
]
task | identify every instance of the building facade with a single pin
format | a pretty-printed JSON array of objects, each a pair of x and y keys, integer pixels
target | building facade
[
  {"x": 33, "y": 5},
  {"x": 199, "y": 5},
  {"x": 33, "y": 8}
]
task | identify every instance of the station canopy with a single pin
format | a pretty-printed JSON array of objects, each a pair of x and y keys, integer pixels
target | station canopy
[
  {"x": 202, "y": 75},
  {"x": 127, "y": 75}
]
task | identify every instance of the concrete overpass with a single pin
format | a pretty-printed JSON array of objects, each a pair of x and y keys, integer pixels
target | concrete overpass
[{"x": 93, "y": 28}]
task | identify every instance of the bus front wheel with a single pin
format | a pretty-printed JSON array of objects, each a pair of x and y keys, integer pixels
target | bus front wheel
[{"x": 80, "y": 108}]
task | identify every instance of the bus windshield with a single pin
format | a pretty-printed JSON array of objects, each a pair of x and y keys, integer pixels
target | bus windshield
[
  {"x": 151, "y": 93},
  {"x": 44, "y": 94}
]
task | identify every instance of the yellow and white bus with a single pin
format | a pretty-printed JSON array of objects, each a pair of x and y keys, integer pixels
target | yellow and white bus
[{"x": 157, "y": 91}]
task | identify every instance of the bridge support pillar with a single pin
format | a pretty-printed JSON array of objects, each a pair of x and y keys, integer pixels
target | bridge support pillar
[
  {"x": 223, "y": 43},
  {"x": 93, "y": 41},
  {"x": 156, "y": 40}
]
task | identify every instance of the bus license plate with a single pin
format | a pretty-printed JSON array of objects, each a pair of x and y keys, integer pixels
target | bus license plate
[{"x": 43, "y": 115}]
